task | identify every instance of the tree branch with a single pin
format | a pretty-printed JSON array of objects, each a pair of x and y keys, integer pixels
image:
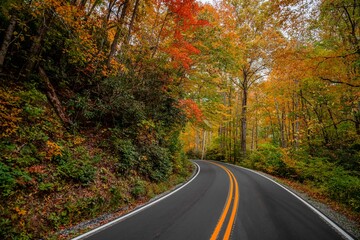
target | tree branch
[{"x": 339, "y": 82}]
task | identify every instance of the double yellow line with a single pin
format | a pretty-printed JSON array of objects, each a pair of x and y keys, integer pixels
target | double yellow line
[{"x": 233, "y": 195}]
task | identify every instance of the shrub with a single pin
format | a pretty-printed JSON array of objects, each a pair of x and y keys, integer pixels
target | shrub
[
  {"x": 127, "y": 153},
  {"x": 269, "y": 158},
  {"x": 7, "y": 180},
  {"x": 315, "y": 169},
  {"x": 215, "y": 154},
  {"x": 139, "y": 189},
  {"x": 344, "y": 188},
  {"x": 116, "y": 196},
  {"x": 78, "y": 169},
  {"x": 156, "y": 162},
  {"x": 193, "y": 154}
]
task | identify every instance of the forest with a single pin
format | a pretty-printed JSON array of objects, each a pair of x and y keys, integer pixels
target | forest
[{"x": 103, "y": 102}]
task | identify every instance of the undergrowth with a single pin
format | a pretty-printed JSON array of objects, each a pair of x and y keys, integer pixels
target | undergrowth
[
  {"x": 331, "y": 180},
  {"x": 52, "y": 178}
]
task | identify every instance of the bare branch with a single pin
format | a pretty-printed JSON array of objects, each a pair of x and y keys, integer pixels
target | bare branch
[{"x": 339, "y": 82}]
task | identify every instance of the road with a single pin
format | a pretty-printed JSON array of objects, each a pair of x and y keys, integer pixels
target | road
[{"x": 223, "y": 202}]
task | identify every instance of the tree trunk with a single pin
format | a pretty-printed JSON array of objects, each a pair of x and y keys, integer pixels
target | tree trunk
[
  {"x": 159, "y": 35},
  {"x": 203, "y": 151},
  {"x": 118, "y": 33},
  {"x": 54, "y": 100},
  {"x": 357, "y": 119},
  {"x": 96, "y": 2},
  {"x": 6, "y": 42},
  {"x": 296, "y": 123},
  {"x": 244, "y": 121},
  {"x": 35, "y": 50},
  {"x": 131, "y": 25}
]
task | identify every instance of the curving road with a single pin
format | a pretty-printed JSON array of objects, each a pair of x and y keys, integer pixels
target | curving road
[{"x": 223, "y": 202}]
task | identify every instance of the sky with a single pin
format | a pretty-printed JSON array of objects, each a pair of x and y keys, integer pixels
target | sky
[{"x": 206, "y": 1}]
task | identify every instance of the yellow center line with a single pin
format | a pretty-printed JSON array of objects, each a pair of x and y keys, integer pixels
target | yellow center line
[
  {"x": 220, "y": 223},
  {"x": 226, "y": 209},
  {"x": 234, "y": 210}
]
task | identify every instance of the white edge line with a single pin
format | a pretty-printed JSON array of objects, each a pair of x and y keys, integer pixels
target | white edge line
[
  {"x": 137, "y": 210},
  {"x": 325, "y": 218}
]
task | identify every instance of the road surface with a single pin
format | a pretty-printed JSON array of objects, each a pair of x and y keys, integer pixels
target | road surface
[{"x": 223, "y": 202}]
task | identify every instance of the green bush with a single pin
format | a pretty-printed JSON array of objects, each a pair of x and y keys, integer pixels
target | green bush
[
  {"x": 7, "y": 180},
  {"x": 128, "y": 155},
  {"x": 139, "y": 189},
  {"x": 268, "y": 158},
  {"x": 315, "y": 169},
  {"x": 74, "y": 211},
  {"x": 156, "y": 162},
  {"x": 46, "y": 187},
  {"x": 194, "y": 154},
  {"x": 215, "y": 154},
  {"x": 344, "y": 188},
  {"x": 116, "y": 196},
  {"x": 78, "y": 169}
]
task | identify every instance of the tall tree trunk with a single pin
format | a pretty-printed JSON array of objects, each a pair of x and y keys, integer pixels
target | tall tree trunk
[
  {"x": 280, "y": 118},
  {"x": 296, "y": 123},
  {"x": 252, "y": 137},
  {"x": 7, "y": 39},
  {"x": 118, "y": 33},
  {"x": 132, "y": 21},
  {"x": 203, "y": 151},
  {"x": 197, "y": 142},
  {"x": 357, "y": 119},
  {"x": 54, "y": 100},
  {"x": 254, "y": 132},
  {"x": 230, "y": 127},
  {"x": 285, "y": 129},
  {"x": 244, "y": 120},
  {"x": 159, "y": 35},
  {"x": 34, "y": 52}
]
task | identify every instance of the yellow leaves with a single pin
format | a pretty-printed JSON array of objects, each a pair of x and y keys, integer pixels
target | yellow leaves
[
  {"x": 78, "y": 140},
  {"x": 53, "y": 150},
  {"x": 9, "y": 114}
]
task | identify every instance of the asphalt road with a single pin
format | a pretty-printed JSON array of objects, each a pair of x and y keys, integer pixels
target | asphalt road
[{"x": 223, "y": 202}]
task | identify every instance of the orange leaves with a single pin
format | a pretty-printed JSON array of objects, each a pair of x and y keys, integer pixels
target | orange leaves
[
  {"x": 20, "y": 211},
  {"x": 37, "y": 169},
  {"x": 191, "y": 110}
]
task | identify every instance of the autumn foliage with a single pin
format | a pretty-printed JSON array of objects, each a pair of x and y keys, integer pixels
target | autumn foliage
[
  {"x": 191, "y": 109},
  {"x": 99, "y": 99}
]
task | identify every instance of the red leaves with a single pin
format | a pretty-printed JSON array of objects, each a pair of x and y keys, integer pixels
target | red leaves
[
  {"x": 191, "y": 109},
  {"x": 185, "y": 10},
  {"x": 181, "y": 53},
  {"x": 185, "y": 18}
]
